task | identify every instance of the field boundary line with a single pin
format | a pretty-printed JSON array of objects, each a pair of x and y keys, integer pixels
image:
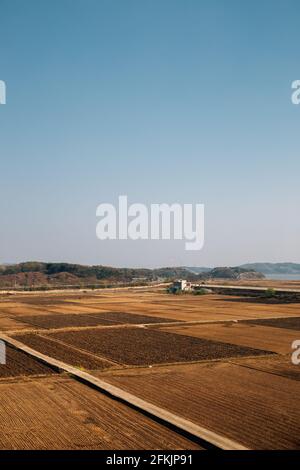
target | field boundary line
[
  {"x": 252, "y": 367},
  {"x": 279, "y": 290},
  {"x": 235, "y": 321},
  {"x": 213, "y": 322},
  {"x": 150, "y": 409}
]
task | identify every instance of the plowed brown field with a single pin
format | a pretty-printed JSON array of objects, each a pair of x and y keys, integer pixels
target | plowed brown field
[
  {"x": 242, "y": 334},
  {"x": 277, "y": 365},
  {"x": 106, "y": 318},
  {"x": 140, "y": 346},
  {"x": 62, "y": 352},
  {"x": 251, "y": 394},
  {"x": 292, "y": 323},
  {"x": 186, "y": 308},
  {"x": 258, "y": 409},
  {"x": 20, "y": 364},
  {"x": 64, "y": 414}
]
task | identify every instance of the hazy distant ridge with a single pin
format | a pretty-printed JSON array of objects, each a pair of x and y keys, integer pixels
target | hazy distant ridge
[
  {"x": 33, "y": 273},
  {"x": 274, "y": 268},
  {"x": 264, "y": 268}
]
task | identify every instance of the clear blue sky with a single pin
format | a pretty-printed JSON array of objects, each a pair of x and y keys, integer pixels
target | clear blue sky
[{"x": 163, "y": 100}]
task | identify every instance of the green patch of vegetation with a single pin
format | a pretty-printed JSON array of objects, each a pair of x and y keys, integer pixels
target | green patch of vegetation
[
  {"x": 200, "y": 291},
  {"x": 269, "y": 293}
]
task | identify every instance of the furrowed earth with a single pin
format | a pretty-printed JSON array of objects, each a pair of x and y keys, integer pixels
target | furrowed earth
[{"x": 222, "y": 362}]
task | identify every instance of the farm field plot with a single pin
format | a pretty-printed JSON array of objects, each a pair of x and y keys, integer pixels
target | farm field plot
[
  {"x": 72, "y": 308},
  {"x": 206, "y": 308},
  {"x": 43, "y": 299},
  {"x": 77, "y": 320},
  {"x": 64, "y": 320},
  {"x": 61, "y": 413},
  {"x": 62, "y": 352},
  {"x": 255, "y": 408},
  {"x": 14, "y": 310},
  {"x": 141, "y": 346},
  {"x": 267, "y": 283},
  {"x": 230, "y": 371},
  {"x": 242, "y": 334},
  {"x": 292, "y": 323},
  {"x": 278, "y": 365},
  {"x": 7, "y": 323},
  {"x": 193, "y": 308},
  {"x": 133, "y": 318},
  {"x": 20, "y": 364},
  {"x": 279, "y": 299}
]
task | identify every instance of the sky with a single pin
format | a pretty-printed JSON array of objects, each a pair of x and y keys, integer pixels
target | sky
[{"x": 164, "y": 101}]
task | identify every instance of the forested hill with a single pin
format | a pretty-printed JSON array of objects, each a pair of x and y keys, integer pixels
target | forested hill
[
  {"x": 39, "y": 274},
  {"x": 274, "y": 268},
  {"x": 49, "y": 274}
]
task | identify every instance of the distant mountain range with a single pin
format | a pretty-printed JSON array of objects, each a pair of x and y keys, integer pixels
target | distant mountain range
[
  {"x": 38, "y": 274},
  {"x": 264, "y": 268},
  {"x": 48, "y": 275},
  {"x": 225, "y": 272},
  {"x": 274, "y": 268}
]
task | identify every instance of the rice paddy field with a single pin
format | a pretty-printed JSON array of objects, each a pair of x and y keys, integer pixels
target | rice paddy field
[{"x": 221, "y": 362}]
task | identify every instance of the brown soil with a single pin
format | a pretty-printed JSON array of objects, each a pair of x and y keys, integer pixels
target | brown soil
[
  {"x": 63, "y": 320},
  {"x": 262, "y": 299},
  {"x": 64, "y": 414},
  {"x": 258, "y": 409},
  {"x": 277, "y": 365},
  {"x": 253, "y": 400},
  {"x": 137, "y": 346},
  {"x": 155, "y": 304},
  {"x": 268, "y": 283},
  {"x": 242, "y": 334},
  {"x": 292, "y": 323},
  {"x": 76, "y": 320},
  {"x": 20, "y": 364},
  {"x": 62, "y": 352}
]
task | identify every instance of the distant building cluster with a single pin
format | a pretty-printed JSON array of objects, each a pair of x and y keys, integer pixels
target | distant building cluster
[{"x": 182, "y": 285}]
